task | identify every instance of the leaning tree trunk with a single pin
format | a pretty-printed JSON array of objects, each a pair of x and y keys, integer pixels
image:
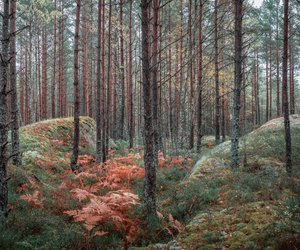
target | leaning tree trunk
[
  {"x": 3, "y": 98},
  {"x": 238, "y": 43},
  {"x": 74, "y": 158},
  {"x": 288, "y": 144},
  {"x": 150, "y": 168}
]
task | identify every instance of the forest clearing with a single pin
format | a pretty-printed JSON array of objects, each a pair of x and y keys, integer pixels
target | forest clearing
[{"x": 150, "y": 124}]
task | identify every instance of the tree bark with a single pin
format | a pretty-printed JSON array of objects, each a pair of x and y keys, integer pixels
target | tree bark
[
  {"x": 74, "y": 158},
  {"x": 238, "y": 44},
  {"x": 131, "y": 116},
  {"x": 200, "y": 87},
  {"x": 15, "y": 141},
  {"x": 217, "y": 85},
  {"x": 288, "y": 144},
  {"x": 3, "y": 99},
  {"x": 98, "y": 90},
  {"x": 122, "y": 75},
  {"x": 150, "y": 168},
  {"x": 54, "y": 64}
]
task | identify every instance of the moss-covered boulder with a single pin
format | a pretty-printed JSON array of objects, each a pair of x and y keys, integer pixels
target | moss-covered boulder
[{"x": 263, "y": 147}]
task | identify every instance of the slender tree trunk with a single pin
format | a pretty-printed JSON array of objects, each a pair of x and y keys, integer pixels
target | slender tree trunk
[
  {"x": 171, "y": 122},
  {"x": 200, "y": 87},
  {"x": 257, "y": 91},
  {"x": 29, "y": 77},
  {"x": 44, "y": 75},
  {"x": 288, "y": 144},
  {"x": 217, "y": 85},
  {"x": 238, "y": 44},
  {"x": 103, "y": 98},
  {"x": 191, "y": 139},
  {"x": 277, "y": 62},
  {"x": 3, "y": 98},
  {"x": 270, "y": 75},
  {"x": 292, "y": 84},
  {"x": 74, "y": 158},
  {"x": 85, "y": 64},
  {"x": 223, "y": 100},
  {"x": 98, "y": 89},
  {"x": 54, "y": 64},
  {"x": 150, "y": 168},
  {"x": 131, "y": 121},
  {"x": 154, "y": 81},
  {"x": 108, "y": 85},
  {"x": 13, "y": 84},
  {"x": 267, "y": 86},
  {"x": 122, "y": 75}
]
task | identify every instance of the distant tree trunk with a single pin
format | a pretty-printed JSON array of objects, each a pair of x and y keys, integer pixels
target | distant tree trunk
[
  {"x": 267, "y": 86},
  {"x": 39, "y": 78},
  {"x": 238, "y": 60},
  {"x": 13, "y": 84},
  {"x": 61, "y": 75},
  {"x": 277, "y": 62},
  {"x": 223, "y": 101},
  {"x": 85, "y": 64},
  {"x": 154, "y": 81},
  {"x": 200, "y": 87},
  {"x": 288, "y": 144},
  {"x": 191, "y": 139},
  {"x": 103, "y": 97},
  {"x": 74, "y": 158},
  {"x": 131, "y": 116},
  {"x": 3, "y": 98},
  {"x": 108, "y": 85},
  {"x": 171, "y": 122},
  {"x": 150, "y": 168},
  {"x": 292, "y": 82},
  {"x": 217, "y": 85},
  {"x": 29, "y": 76},
  {"x": 44, "y": 75},
  {"x": 122, "y": 75},
  {"x": 98, "y": 89},
  {"x": 22, "y": 90},
  {"x": 270, "y": 75},
  {"x": 54, "y": 63},
  {"x": 257, "y": 91}
]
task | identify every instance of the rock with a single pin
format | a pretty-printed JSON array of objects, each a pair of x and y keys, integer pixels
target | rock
[{"x": 32, "y": 154}]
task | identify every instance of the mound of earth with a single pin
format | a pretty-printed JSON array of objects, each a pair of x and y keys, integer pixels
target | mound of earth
[{"x": 263, "y": 147}]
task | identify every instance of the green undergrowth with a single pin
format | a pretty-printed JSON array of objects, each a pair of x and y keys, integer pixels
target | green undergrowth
[{"x": 256, "y": 207}]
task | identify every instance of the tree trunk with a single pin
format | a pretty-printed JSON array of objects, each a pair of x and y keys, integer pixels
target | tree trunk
[
  {"x": 122, "y": 75},
  {"x": 54, "y": 64},
  {"x": 217, "y": 85},
  {"x": 108, "y": 85},
  {"x": 3, "y": 98},
  {"x": 238, "y": 44},
  {"x": 74, "y": 158},
  {"x": 131, "y": 116},
  {"x": 200, "y": 87},
  {"x": 150, "y": 168},
  {"x": 13, "y": 84},
  {"x": 98, "y": 89},
  {"x": 44, "y": 75},
  {"x": 292, "y": 84},
  {"x": 191, "y": 139},
  {"x": 288, "y": 144}
]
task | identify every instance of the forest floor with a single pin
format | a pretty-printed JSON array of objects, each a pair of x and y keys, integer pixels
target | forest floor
[{"x": 257, "y": 207}]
